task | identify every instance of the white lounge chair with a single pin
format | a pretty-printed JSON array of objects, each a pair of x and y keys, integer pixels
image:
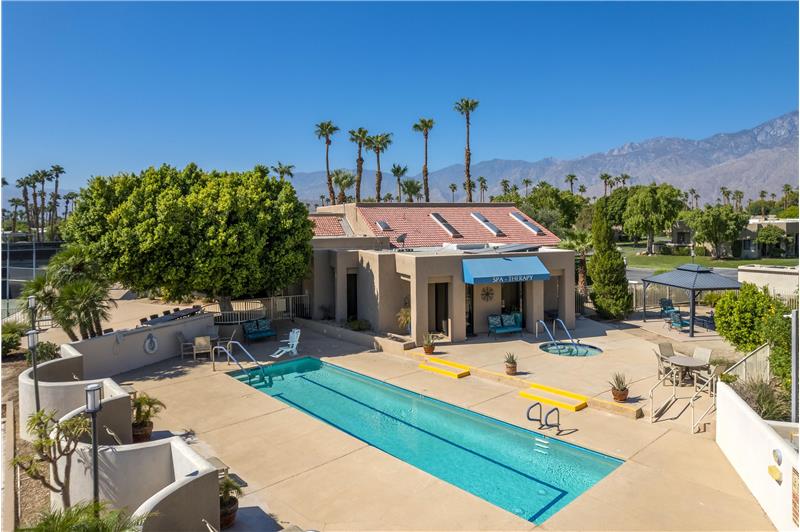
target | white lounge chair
[{"x": 291, "y": 345}]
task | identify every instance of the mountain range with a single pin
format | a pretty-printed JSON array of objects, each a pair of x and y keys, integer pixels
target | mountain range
[{"x": 764, "y": 157}]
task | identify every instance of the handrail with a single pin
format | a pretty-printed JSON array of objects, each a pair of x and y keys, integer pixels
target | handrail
[
  {"x": 230, "y": 357},
  {"x": 563, "y": 326},
  {"x": 553, "y": 340},
  {"x": 696, "y": 396},
  {"x": 667, "y": 403},
  {"x": 251, "y": 357},
  {"x": 745, "y": 358},
  {"x": 539, "y": 419}
]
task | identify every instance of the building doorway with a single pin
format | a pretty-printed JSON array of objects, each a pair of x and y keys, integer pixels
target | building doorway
[
  {"x": 352, "y": 296},
  {"x": 441, "y": 308},
  {"x": 470, "y": 293},
  {"x": 511, "y": 297}
]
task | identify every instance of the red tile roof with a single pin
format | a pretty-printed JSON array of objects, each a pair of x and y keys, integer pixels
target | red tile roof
[
  {"x": 326, "y": 225},
  {"x": 423, "y": 231}
]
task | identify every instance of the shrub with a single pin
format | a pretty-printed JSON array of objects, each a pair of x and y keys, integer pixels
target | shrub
[
  {"x": 11, "y": 343},
  {"x": 665, "y": 250},
  {"x": 16, "y": 327},
  {"x": 765, "y": 398},
  {"x": 609, "y": 291},
  {"x": 358, "y": 325},
  {"x": 789, "y": 212},
  {"x": 739, "y": 316},
  {"x": 710, "y": 299},
  {"x": 44, "y": 351}
]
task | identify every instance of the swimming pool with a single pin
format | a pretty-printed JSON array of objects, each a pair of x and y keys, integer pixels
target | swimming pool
[{"x": 519, "y": 470}]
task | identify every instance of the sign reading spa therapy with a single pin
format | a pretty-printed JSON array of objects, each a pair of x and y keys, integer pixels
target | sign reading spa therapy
[
  {"x": 514, "y": 278},
  {"x": 504, "y": 270}
]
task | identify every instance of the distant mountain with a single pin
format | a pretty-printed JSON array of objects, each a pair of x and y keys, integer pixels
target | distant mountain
[{"x": 761, "y": 158}]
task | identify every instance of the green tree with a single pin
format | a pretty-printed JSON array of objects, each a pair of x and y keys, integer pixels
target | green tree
[
  {"x": 581, "y": 189},
  {"x": 283, "y": 170},
  {"x": 453, "y": 187},
  {"x": 609, "y": 290},
  {"x": 466, "y": 107},
  {"x": 424, "y": 126},
  {"x": 399, "y": 173},
  {"x": 652, "y": 209},
  {"x": 482, "y": 187},
  {"x": 772, "y": 237},
  {"x": 570, "y": 180},
  {"x": 579, "y": 241},
  {"x": 617, "y": 203},
  {"x": 410, "y": 187},
  {"x": 325, "y": 130},
  {"x": 343, "y": 180},
  {"x": 716, "y": 225},
  {"x": 608, "y": 181},
  {"x": 526, "y": 183},
  {"x": 378, "y": 144},
  {"x": 359, "y": 138}
]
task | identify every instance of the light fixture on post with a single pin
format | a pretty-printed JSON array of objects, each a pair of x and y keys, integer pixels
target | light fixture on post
[
  {"x": 33, "y": 340},
  {"x": 94, "y": 396},
  {"x": 32, "y": 310}
]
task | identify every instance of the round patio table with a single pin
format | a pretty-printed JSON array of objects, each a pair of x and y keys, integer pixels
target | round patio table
[{"x": 686, "y": 363}]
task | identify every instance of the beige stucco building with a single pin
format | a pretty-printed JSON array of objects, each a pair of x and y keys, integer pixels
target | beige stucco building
[{"x": 373, "y": 259}]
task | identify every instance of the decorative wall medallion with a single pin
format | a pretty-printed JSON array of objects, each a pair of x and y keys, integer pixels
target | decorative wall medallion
[{"x": 487, "y": 294}]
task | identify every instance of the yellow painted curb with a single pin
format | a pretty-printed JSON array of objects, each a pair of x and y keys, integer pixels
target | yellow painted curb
[
  {"x": 566, "y": 406},
  {"x": 559, "y": 391},
  {"x": 445, "y": 362},
  {"x": 442, "y": 371}
]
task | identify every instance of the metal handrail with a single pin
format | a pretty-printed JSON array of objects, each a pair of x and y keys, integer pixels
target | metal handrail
[
  {"x": 744, "y": 359},
  {"x": 696, "y": 396},
  {"x": 669, "y": 402},
  {"x": 563, "y": 326},
  {"x": 251, "y": 357},
  {"x": 557, "y": 424},
  {"x": 539, "y": 419},
  {"x": 230, "y": 357},
  {"x": 553, "y": 340}
]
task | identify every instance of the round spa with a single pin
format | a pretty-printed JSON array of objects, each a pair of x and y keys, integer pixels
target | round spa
[{"x": 569, "y": 349}]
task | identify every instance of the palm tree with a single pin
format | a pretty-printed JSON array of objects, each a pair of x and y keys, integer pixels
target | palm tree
[
  {"x": 453, "y": 187},
  {"x": 526, "y": 183},
  {"x": 608, "y": 181},
  {"x": 322, "y": 199},
  {"x": 22, "y": 184},
  {"x": 691, "y": 193},
  {"x": 89, "y": 303},
  {"x": 326, "y": 130},
  {"x": 16, "y": 203},
  {"x": 696, "y": 197},
  {"x": 725, "y": 192},
  {"x": 738, "y": 196},
  {"x": 579, "y": 241},
  {"x": 49, "y": 302},
  {"x": 763, "y": 197},
  {"x": 482, "y": 186},
  {"x": 505, "y": 185},
  {"x": 410, "y": 187},
  {"x": 465, "y": 106},
  {"x": 787, "y": 190},
  {"x": 343, "y": 181},
  {"x": 69, "y": 197},
  {"x": 378, "y": 144},
  {"x": 56, "y": 171},
  {"x": 772, "y": 197},
  {"x": 359, "y": 137},
  {"x": 582, "y": 189},
  {"x": 388, "y": 197},
  {"x": 570, "y": 179},
  {"x": 283, "y": 170},
  {"x": 98, "y": 517},
  {"x": 623, "y": 179},
  {"x": 424, "y": 125},
  {"x": 399, "y": 173}
]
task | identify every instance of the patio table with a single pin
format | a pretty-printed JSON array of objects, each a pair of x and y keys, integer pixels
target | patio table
[
  {"x": 174, "y": 316},
  {"x": 686, "y": 364}
]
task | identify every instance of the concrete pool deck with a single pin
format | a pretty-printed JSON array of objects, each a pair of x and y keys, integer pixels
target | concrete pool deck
[{"x": 302, "y": 471}]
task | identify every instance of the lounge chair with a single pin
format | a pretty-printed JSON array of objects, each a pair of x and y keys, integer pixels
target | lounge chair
[
  {"x": 291, "y": 344},
  {"x": 666, "y": 307},
  {"x": 202, "y": 345},
  {"x": 677, "y": 322}
]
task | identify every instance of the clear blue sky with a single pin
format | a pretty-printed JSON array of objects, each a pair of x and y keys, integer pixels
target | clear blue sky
[{"x": 102, "y": 88}]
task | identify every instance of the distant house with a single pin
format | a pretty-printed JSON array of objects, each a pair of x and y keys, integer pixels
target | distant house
[{"x": 745, "y": 246}]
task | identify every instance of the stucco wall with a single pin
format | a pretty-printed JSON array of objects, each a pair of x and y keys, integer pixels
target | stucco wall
[
  {"x": 749, "y": 444},
  {"x": 778, "y": 280},
  {"x": 481, "y": 309}
]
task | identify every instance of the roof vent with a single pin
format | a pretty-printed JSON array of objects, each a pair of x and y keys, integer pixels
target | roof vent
[
  {"x": 530, "y": 226},
  {"x": 487, "y": 224},
  {"x": 383, "y": 225},
  {"x": 445, "y": 225}
]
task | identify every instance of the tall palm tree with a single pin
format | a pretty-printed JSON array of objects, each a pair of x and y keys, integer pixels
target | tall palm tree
[
  {"x": 411, "y": 188},
  {"x": 608, "y": 181},
  {"x": 526, "y": 183},
  {"x": 623, "y": 179},
  {"x": 725, "y": 192},
  {"x": 453, "y": 187},
  {"x": 696, "y": 197},
  {"x": 44, "y": 177},
  {"x": 579, "y": 241},
  {"x": 691, "y": 192},
  {"x": 738, "y": 196},
  {"x": 399, "y": 172},
  {"x": 581, "y": 189},
  {"x": 787, "y": 190},
  {"x": 322, "y": 199},
  {"x": 505, "y": 185},
  {"x": 772, "y": 196},
  {"x": 343, "y": 181},
  {"x": 283, "y": 170},
  {"x": 359, "y": 138},
  {"x": 762, "y": 195},
  {"x": 56, "y": 171},
  {"x": 468, "y": 185},
  {"x": 22, "y": 184},
  {"x": 466, "y": 107},
  {"x": 482, "y": 186},
  {"x": 378, "y": 144},
  {"x": 325, "y": 130},
  {"x": 424, "y": 126},
  {"x": 16, "y": 204},
  {"x": 570, "y": 179}
]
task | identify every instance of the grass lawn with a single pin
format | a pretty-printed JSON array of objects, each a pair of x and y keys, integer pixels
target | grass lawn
[{"x": 668, "y": 262}]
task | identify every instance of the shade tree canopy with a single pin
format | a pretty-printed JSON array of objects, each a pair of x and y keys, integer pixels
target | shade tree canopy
[
  {"x": 716, "y": 225},
  {"x": 652, "y": 209}
]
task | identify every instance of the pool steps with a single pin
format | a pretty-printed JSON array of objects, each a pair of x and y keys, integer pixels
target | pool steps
[
  {"x": 555, "y": 396},
  {"x": 447, "y": 368}
]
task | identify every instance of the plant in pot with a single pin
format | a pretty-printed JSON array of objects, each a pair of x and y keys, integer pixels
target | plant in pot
[
  {"x": 145, "y": 409},
  {"x": 619, "y": 387},
  {"x": 404, "y": 319},
  {"x": 511, "y": 364},
  {"x": 229, "y": 491},
  {"x": 427, "y": 344}
]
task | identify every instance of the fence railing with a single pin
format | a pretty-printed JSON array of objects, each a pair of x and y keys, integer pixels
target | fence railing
[
  {"x": 656, "y": 292},
  {"x": 275, "y": 308},
  {"x": 755, "y": 364}
]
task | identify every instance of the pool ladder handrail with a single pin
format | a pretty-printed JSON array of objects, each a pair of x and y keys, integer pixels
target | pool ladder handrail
[
  {"x": 251, "y": 357},
  {"x": 563, "y": 326},
  {"x": 549, "y": 335}
]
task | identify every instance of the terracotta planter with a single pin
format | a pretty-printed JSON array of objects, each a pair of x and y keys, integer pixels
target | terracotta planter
[
  {"x": 142, "y": 433},
  {"x": 227, "y": 512},
  {"x": 620, "y": 396},
  {"x": 511, "y": 369},
  {"x": 428, "y": 349}
]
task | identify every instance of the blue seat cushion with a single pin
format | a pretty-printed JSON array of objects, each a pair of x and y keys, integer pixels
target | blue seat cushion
[
  {"x": 495, "y": 321},
  {"x": 508, "y": 320},
  {"x": 264, "y": 324},
  {"x": 517, "y": 319},
  {"x": 249, "y": 327}
]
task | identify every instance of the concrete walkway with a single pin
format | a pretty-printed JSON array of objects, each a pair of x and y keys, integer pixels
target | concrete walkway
[{"x": 300, "y": 470}]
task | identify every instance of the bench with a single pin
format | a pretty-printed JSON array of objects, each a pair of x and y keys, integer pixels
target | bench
[
  {"x": 505, "y": 323},
  {"x": 258, "y": 329}
]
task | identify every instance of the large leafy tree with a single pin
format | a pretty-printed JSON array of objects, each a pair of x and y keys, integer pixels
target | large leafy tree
[
  {"x": 652, "y": 209},
  {"x": 424, "y": 126},
  {"x": 609, "y": 290},
  {"x": 378, "y": 144},
  {"x": 466, "y": 107},
  {"x": 177, "y": 232},
  {"x": 359, "y": 138},
  {"x": 716, "y": 225},
  {"x": 325, "y": 130}
]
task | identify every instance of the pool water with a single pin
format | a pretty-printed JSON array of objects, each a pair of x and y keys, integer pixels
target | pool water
[
  {"x": 568, "y": 349},
  {"x": 498, "y": 462}
]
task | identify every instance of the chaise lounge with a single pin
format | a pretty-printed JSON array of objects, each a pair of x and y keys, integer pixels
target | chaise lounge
[
  {"x": 505, "y": 323},
  {"x": 258, "y": 329}
]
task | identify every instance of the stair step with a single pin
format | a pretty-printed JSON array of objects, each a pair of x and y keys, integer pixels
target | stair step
[
  {"x": 446, "y": 371},
  {"x": 550, "y": 398},
  {"x": 450, "y": 363}
]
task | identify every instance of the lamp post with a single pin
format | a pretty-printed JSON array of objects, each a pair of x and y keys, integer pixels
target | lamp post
[
  {"x": 33, "y": 339},
  {"x": 94, "y": 396}
]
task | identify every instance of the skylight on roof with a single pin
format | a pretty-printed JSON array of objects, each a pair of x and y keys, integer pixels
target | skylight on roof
[
  {"x": 383, "y": 225},
  {"x": 530, "y": 226},
  {"x": 445, "y": 225},
  {"x": 487, "y": 224}
]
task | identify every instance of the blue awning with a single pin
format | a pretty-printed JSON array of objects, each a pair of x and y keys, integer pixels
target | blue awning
[{"x": 504, "y": 270}]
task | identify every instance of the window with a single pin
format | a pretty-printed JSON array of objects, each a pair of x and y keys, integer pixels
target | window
[
  {"x": 383, "y": 225},
  {"x": 487, "y": 224},
  {"x": 445, "y": 225},
  {"x": 530, "y": 226}
]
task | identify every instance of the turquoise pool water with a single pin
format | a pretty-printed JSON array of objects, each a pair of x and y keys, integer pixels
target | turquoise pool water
[
  {"x": 568, "y": 349},
  {"x": 519, "y": 470}
]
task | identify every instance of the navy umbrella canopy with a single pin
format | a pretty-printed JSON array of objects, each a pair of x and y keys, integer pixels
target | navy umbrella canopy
[{"x": 692, "y": 278}]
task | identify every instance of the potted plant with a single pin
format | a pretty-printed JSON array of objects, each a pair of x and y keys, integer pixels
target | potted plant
[
  {"x": 511, "y": 364},
  {"x": 619, "y": 387},
  {"x": 404, "y": 319},
  {"x": 427, "y": 344},
  {"x": 145, "y": 409},
  {"x": 229, "y": 490}
]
